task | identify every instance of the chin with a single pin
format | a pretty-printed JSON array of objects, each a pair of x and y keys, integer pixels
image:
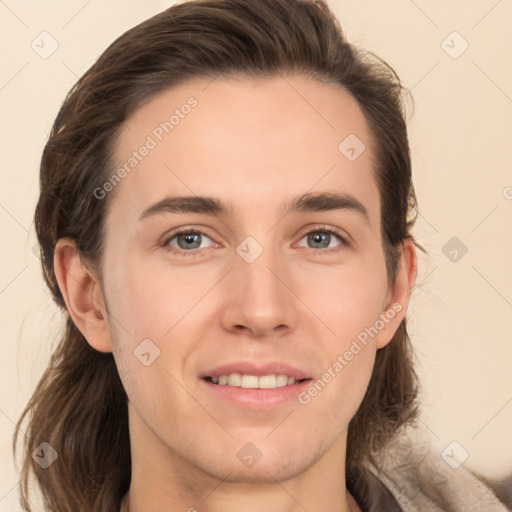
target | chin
[
  {"x": 263, "y": 473},
  {"x": 251, "y": 465}
]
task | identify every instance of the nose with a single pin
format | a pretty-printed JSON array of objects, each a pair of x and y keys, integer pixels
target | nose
[{"x": 258, "y": 299}]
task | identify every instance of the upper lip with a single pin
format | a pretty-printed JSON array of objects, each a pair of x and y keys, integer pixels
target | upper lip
[{"x": 251, "y": 368}]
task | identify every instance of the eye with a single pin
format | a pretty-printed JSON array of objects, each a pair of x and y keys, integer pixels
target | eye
[
  {"x": 186, "y": 240},
  {"x": 323, "y": 238}
]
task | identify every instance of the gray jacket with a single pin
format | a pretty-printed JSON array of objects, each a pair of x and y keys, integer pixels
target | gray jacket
[{"x": 417, "y": 476}]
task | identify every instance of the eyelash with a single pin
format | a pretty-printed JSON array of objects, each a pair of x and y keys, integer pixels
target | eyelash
[{"x": 344, "y": 241}]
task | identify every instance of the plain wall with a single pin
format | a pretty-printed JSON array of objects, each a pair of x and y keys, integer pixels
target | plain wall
[{"x": 460, "y": 132}]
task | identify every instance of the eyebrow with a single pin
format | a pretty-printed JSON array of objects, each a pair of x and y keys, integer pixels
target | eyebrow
[
  {"x": 324, "y": 201},
  {"x": 310, "y": 202},
  {"x": 188, "y": 204}
]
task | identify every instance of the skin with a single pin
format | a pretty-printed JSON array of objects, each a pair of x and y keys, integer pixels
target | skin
[{"x": 255, "y": 144}]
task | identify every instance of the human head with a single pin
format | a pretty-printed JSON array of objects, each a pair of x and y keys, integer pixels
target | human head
[{"x": 253, "y": 40}]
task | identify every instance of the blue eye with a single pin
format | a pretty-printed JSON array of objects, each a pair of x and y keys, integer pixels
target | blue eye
[
  {"x": 189, "y": 240},
  {"x": 324, "y": 238},
  {"x": 186, "y": 241}
]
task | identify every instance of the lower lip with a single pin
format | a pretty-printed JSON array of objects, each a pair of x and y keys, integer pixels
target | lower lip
[{"x": 257, "y": 398}]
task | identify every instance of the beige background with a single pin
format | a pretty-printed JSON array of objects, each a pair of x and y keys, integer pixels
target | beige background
[{"x": 461, "y": 132}]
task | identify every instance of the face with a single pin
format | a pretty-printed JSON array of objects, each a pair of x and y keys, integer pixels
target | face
[{"x": 270, "y": 271}]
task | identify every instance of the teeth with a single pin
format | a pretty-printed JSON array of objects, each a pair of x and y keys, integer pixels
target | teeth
[
  {"x": 234, "y": 379},
  {"x": 249, "y": 382},
  {"x": 282, "y": 380},
  {"x": 254, "y": 382},
  {"x": 267, "y": 382}
]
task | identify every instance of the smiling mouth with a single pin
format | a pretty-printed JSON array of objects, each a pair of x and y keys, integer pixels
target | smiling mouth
[{"x": 245, "y": 381}]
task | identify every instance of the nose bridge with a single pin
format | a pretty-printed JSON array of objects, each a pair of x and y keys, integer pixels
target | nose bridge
[
  {"x": 258, "y": 273},
  {"x": 260, "y": 301}
]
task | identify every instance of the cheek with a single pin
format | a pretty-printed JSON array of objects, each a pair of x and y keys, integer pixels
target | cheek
[
  {"x": 148, "y": 302},
  {"x": 349, "y": 303},
  {"x": 150, "y": 314},
  {"x": 347, "y": 299},
  {"x": 332, "y": 400}
]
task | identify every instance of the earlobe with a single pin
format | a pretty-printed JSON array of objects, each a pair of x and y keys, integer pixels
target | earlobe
[
  {"x": 396, "y": 308},
  {"x": 82, "y": 294}
]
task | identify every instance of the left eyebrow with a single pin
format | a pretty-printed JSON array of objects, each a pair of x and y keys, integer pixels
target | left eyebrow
[{"x": 324, "y": 201}]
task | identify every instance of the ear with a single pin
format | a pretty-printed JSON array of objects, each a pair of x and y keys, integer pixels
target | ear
[
  {"x": 82, "y": 294},
  {"x": 397, "y": 299}
]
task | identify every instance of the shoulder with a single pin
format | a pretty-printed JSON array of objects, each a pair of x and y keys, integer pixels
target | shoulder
[{"x": 421, "y": 480}]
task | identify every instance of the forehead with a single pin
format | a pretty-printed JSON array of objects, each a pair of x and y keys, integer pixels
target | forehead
[{"x": 253, "y": 143}]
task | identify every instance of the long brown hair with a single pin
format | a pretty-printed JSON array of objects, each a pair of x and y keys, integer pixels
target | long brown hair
[{"x": 79, "y": 406}]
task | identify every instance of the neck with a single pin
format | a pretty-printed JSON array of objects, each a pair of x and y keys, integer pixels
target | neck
[{"x": 351, "y": 504}]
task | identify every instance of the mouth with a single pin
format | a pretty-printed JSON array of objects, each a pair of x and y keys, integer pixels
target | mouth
[
  {"x": 247, "y": 381},
  {"x": 258, "y": 386}
]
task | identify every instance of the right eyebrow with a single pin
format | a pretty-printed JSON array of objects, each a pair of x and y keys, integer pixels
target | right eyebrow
[{"x": 187, "y": 204}]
